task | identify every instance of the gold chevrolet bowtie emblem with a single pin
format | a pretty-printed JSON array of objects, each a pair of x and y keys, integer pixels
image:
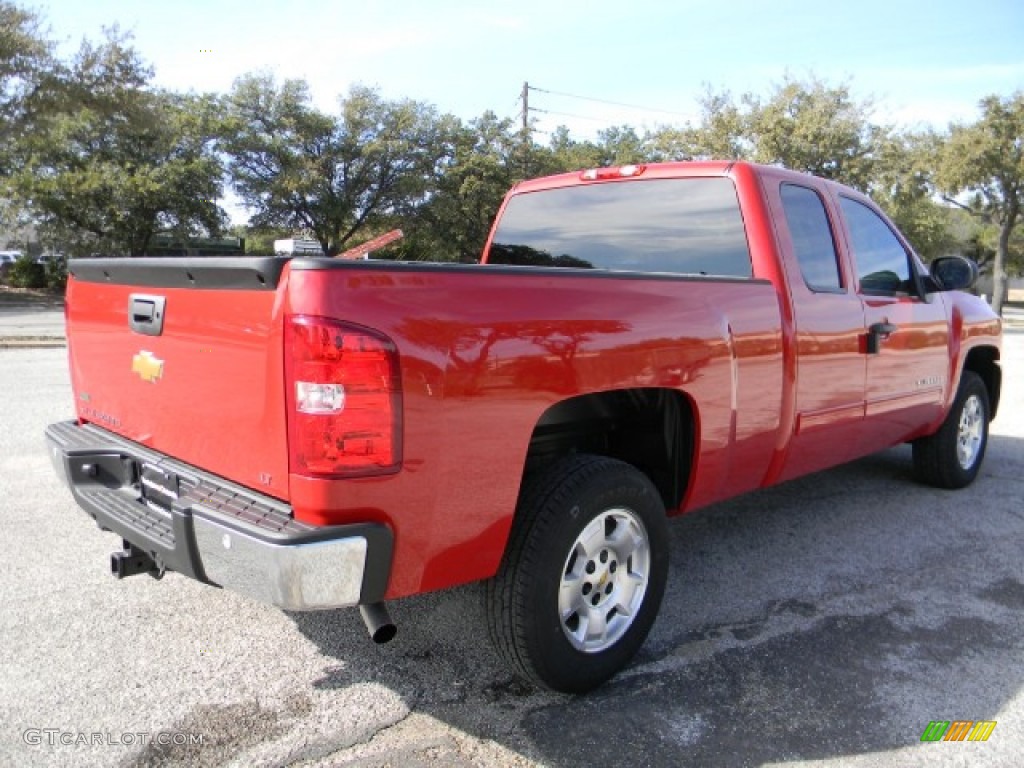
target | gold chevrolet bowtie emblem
[{"x": 148, "y": 367}]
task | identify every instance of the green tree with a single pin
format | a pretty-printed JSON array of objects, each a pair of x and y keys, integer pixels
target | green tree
[
  {"x": 455, "y": 222},
  {"x": 618, "y": 145},
  {"x": 25, "y": 55},
  {"x": 567, "y": 153},
  {"x": 721, "y": 134},
  {"x": 903, "y": 185},
  {"x": 817, "y": 128},
  {"x": 807, "y": 126},
  {"x": 981, "y": 170},
  {"x": 337, "y": 177},
  {"x": 111, "y": 161}
]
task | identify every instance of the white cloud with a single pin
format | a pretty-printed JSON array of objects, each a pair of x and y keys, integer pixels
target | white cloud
[{"x": 937, "y": 113}]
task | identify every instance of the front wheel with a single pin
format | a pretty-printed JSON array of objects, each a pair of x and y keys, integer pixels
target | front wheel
[
  {"x": 951, "y": 458},
  {"x": 583, "y": 575}
]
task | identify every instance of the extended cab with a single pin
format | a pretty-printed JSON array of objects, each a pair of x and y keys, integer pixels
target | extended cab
[{"x": 636, "y": 343}]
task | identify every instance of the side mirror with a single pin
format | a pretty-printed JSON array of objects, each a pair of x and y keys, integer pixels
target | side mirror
[{"x": 953, "y": 273}]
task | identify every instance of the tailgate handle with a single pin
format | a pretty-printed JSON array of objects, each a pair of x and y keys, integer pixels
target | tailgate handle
[{"x": 146, "y": 314}]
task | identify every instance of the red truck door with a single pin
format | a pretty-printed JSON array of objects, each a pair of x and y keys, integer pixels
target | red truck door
[
  {"x": 906, "y": 336},
  {"x": 829, "y": 320}
]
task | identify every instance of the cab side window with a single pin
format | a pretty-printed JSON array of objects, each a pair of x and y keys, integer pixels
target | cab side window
[
  {"x": 883, "y": 266},
  {"x": 813, "y": 246}
]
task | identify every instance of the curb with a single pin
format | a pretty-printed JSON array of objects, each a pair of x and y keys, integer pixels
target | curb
[{"x": 32, "y": 342}]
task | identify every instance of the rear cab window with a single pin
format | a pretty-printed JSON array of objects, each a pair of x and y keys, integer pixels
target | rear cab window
[
  {"x": 689, "y": 226},
  {"x": 811, "y": 233}
]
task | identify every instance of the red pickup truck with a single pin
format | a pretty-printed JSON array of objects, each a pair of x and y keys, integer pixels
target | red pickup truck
[{"x": 636, "y": 343}]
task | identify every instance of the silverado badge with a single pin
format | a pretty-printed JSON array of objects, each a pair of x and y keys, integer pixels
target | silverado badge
[{"x": 149, "y": 367}]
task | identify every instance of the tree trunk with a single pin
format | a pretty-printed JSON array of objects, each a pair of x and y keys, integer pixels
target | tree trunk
[
  {"x": 999, "y": 266},
  {"x": 999, "y": 271}
]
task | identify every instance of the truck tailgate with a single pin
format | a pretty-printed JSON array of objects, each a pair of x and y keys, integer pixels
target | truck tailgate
[{"x": 185, "y": 357}]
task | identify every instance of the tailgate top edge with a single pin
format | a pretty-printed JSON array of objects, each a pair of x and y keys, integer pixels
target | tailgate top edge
[{"x": 202, "y": 272}]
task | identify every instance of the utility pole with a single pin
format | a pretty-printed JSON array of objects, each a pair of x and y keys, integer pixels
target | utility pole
[
  {"x": 526, "y": 109},
  {"x": 526, "y": 129}
]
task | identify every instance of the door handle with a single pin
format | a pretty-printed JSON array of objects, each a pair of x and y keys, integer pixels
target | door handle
[{"x": 877, "y": 333}]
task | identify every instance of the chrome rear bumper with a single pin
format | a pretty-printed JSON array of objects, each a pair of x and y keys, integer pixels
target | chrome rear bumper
[{"x": 215, "y": 531}]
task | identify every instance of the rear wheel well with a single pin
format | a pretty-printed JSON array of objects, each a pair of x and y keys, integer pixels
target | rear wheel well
[
  {"x": 652, "y": 429},
  {"x": 984, "y": 361}
]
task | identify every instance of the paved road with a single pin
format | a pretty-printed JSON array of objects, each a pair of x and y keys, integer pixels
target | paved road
[
  {"x": 824, "y": 623},
  {"x": 30, "y": 318}
]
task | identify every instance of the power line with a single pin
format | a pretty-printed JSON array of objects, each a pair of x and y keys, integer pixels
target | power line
[
  {"x": 527, "y": 108},
  {"x": 606, "y": 101},
  {"x": 568, "y": 114}
]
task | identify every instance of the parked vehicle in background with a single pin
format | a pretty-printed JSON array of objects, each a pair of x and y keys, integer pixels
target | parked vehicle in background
[
  {"x": 637, "y": 343},
  {"x": 7, "y": 259},
  {"x": 296, "y": 247}
]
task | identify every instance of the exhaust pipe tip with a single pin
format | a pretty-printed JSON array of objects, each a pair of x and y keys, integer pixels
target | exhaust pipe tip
[{"x": 378, "y": 622}]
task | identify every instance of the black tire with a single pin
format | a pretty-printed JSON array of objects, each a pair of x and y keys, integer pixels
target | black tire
[
  {"x": 952, "y": 457},
  {"x": 623, "y": 517}
]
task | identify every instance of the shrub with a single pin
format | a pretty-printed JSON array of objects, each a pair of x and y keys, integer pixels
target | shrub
[
  {"x": 25, "y": 273},
  {"x": 56, "y": 270}
]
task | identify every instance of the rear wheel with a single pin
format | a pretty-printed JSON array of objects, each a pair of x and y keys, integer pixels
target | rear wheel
[
  {"x": 583, "y": 575},
  {"x": 951, "y": 458}
]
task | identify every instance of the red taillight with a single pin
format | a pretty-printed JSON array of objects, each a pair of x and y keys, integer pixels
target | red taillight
[{"x": 344, "y": 399}]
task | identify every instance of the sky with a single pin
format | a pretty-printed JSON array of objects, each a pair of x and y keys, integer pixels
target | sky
[{"x": 921, "y": 63}]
